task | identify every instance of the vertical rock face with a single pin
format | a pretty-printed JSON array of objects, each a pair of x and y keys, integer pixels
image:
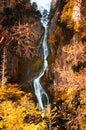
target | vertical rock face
[
  {"x": 20, "y": 32},
  {"x": 67, "y": 40},
  {"x": 65, "y": 78}
]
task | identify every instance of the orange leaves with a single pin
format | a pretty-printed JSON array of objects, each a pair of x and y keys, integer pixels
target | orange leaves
[{"x": 52, "y": 39}]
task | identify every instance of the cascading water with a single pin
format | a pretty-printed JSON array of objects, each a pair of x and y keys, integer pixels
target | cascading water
[{"x": 41, "y": 95}]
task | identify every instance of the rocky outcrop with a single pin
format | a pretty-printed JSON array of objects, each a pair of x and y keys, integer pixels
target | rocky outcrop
[{"x": 20, "y": 32}]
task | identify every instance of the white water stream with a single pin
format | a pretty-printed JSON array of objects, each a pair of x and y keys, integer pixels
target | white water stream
[{"x": 41, "y": 95}]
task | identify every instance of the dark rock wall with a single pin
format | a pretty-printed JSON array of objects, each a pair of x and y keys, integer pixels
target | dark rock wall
[{"x": 20, "y": 33}]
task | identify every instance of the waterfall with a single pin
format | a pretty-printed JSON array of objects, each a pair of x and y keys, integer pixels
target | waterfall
[{"x": 41, "y": 95}]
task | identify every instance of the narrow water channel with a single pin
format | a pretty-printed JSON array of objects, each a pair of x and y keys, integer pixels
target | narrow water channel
[{"x": 41, "y": 95}]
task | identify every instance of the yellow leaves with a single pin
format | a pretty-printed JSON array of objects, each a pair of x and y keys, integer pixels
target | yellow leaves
[
  {"x": 30, "y": 127},
  {"x": 71, "y": 15},
  {"x": 69, "y": 91},
  {"x": 77, "y": 27},
  {"x": 67, "y": 14},
  {"x": 72, "y": 110},
  {"x": 83, "y": 35},
  {"x": 17, "y": 110},
  {"x": 12, "y": 116},
  {"x": 10, "y": 92},
  {"x": 64, "y": 96},
  {"x": 40, "y": 126}
]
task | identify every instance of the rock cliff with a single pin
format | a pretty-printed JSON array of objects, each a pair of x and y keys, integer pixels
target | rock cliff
[
  {"x": 20, "y": 32},
  {"x": 67, "y": 39},
  {"x": 65, "y": 79}
]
